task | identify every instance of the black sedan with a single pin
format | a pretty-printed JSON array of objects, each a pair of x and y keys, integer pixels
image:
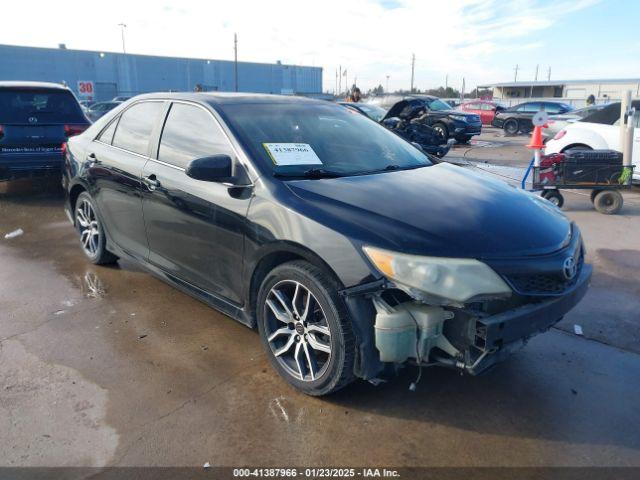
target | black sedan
[
  {"x": 346, "y": 248},
  {"x": 518, "y": 118}
]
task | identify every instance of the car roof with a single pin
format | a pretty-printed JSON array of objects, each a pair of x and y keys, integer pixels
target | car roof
[
  {"x": 39, "y": 85},
  {"x": 229, "y": 98}
]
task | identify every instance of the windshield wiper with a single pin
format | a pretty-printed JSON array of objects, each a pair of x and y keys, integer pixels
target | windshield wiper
[
  {"x": 390, "y": 168},
  {"x": 311, "y": 173}
]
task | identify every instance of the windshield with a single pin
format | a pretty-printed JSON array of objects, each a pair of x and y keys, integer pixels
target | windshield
[
  {"x": 329, "y": 139},
  {"x": 45, "y": 106},
  {"x": 438, "y": 104}
]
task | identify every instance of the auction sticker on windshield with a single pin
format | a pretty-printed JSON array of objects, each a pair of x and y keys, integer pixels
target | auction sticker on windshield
[{"x": 292, "y": 154}]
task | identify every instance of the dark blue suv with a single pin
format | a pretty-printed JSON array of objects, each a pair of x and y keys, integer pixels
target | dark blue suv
[{"x": 36, "y": 119}]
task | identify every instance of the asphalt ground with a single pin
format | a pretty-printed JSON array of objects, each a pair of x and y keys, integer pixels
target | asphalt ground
[{"x": 108, "y": 366}]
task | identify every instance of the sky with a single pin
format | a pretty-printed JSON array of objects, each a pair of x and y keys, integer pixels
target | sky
[{"x": 479, "y": 40}]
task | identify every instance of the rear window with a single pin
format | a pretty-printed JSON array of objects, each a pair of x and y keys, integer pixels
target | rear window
[
  {"x": 39, "y": 106},
  {"x": 135, "y": 126}
]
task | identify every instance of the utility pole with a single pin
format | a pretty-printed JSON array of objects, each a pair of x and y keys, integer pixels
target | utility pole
[
  {"x": 549, "y": 74},
  {"x": 387, "y": 89},
  {"x": 535, "y": 79},
  {"x": 515, "y": 78},
  {"x": 340, "y": 82},
  {"x": 122, "y": 27},
  {"x": 446, "y": 83},
  {"x": 235, "y": 59},
  {"x": 413, "y": 65},
  {"x": 335, "y": 90}
]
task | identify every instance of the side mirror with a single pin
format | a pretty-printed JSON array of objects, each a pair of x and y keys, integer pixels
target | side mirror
[{"x": 216, "y": 168}]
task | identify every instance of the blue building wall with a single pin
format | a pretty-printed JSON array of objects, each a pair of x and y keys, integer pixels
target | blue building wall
[{"x": 128, "y": 74}]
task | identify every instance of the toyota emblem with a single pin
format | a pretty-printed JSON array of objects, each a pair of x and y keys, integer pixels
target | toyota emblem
[
  {"x": 569, "y": 268},
  {"x": 33, "y": 120}
]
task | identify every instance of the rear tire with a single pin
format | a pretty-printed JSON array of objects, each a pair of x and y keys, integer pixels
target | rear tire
[
  {"x": 305, "y": 328},
  {"x": 92, "y": 237},
  {"x": 608, "y": 202},
  {"x": 511, "y": 127},
  {"x": 554, "y": 196}
]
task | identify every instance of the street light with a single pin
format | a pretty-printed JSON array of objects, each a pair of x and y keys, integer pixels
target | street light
[
  {"x": 387, "y": 89},
  {"x": 122, "y": 27}
]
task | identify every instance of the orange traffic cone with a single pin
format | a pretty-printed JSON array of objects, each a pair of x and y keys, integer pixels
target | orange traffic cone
[{"x": 536, "y": 139}]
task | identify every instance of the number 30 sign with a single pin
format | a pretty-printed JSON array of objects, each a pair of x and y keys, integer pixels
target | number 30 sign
[{"x": 85, "y": 88}]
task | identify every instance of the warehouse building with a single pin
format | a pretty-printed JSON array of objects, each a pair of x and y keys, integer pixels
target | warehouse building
[
  {"x": 574, "y": 91},
  {"x": 104, "y": 75}
]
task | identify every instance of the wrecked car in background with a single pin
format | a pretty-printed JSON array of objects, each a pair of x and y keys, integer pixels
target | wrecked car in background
[
  {"x": 433, "y": 112},
  {"x": 348, "y": 249},
  {"x": 410, "y": 127}
]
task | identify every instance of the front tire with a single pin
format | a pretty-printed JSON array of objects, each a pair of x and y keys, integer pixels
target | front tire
[
  {"x": 442, "y": 130},
  {"x": 305, "y": 328},
  {"x": 92, "y": 237}
]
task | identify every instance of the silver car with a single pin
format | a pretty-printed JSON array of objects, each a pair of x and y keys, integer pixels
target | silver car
[{"x": 97, "y": 110}]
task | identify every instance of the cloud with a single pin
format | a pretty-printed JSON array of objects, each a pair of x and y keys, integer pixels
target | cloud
[{"x": 371, "y": 38}]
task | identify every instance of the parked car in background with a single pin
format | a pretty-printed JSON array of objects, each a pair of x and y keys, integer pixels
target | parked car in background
[
  {"x": 449, "y": 123},
  {"x": 486, "y": 109},
  {"x": 558, "y": 122},
  {"x": 598, "y": 131},
  {"x": 374, "y": 112},
  {"x": 97, "y": 110},
  {"x": 36, "y": 119},
  {"x": 358, "y": 253},
  {"x": 518, "y": 118},
  {"x": 86, "y": 104}
]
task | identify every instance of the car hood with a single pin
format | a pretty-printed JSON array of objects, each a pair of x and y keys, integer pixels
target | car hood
[
  {"x": 397, "y": 111},
  {"x": 442, "y": 210}
]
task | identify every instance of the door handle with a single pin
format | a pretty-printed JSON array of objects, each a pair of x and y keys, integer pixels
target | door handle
[{"x": 151, "y": 182}]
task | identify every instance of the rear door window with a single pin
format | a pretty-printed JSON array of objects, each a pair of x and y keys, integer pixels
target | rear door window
[
  {"x": 135, "y": 127},
  {"x": 39, "y": 106},
  {"x": 189, "y": 133}
]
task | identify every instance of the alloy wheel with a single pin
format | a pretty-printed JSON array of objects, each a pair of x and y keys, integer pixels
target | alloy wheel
[
  {"x": 297, "y": 330},
  {"x": 87, "y": 223}
]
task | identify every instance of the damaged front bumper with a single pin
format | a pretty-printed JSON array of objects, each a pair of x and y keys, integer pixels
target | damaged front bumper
[{"x": 414, "y": 332}]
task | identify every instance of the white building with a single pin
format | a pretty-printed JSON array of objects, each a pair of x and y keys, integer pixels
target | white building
[{"x": 572, "y": 91}]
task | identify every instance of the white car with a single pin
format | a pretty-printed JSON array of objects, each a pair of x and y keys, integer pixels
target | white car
[{"x": 604, "y": 135}]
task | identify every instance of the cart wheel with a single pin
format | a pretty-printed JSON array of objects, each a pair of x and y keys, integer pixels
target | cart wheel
[
  {"x": 554, "y": 196},
  {"x": 608, "y": 202}
]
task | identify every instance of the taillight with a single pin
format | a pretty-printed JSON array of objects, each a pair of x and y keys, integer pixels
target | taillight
[
  {"x": 71, "y": 130},
  {"x": 560, "y": 134},
  {"x": 1, "y": 132},
  {"x": 63, "y": 148}
]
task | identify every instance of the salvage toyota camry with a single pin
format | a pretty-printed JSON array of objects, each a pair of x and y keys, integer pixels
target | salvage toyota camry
[{"x": 348, "y": 248}]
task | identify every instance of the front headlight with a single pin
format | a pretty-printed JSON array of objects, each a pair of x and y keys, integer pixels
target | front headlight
[
  {"x": 461, "y": 118},
  {"x": 457, "y": 279}
]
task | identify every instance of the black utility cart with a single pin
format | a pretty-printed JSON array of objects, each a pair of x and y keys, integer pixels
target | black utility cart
[{"x": 600, "y": 171}]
